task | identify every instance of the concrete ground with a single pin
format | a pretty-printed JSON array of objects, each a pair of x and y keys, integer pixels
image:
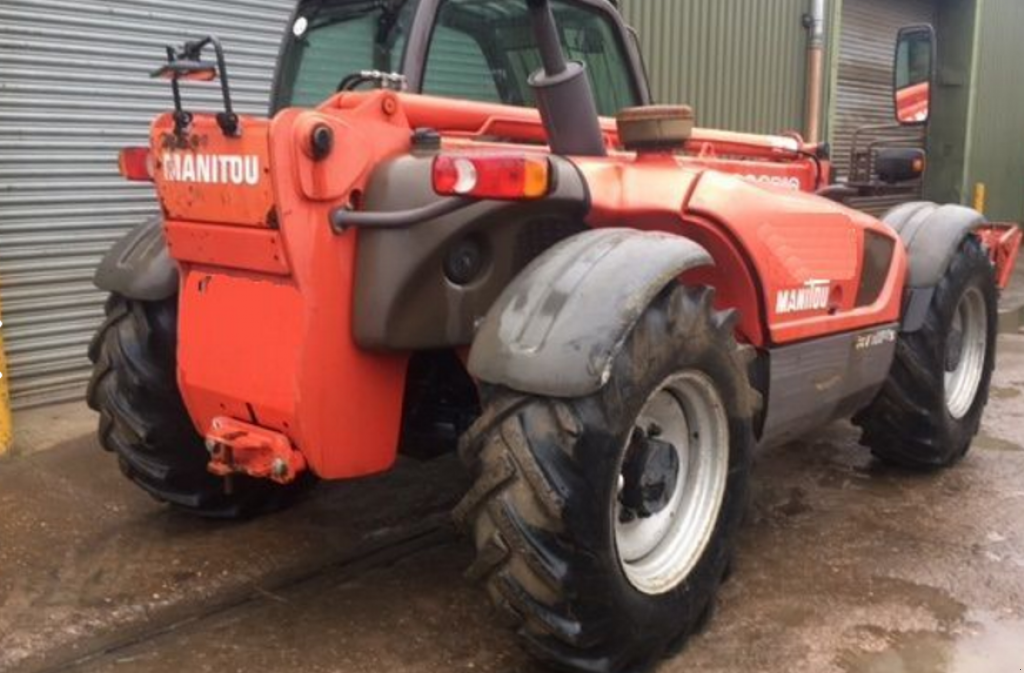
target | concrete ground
[{"x": 846, "y": 566}]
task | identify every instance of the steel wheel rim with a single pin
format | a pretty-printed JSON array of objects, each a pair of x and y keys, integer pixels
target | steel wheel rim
[
  {"x": 962, "y": 379},
  {"x": 658, "y": 552}
]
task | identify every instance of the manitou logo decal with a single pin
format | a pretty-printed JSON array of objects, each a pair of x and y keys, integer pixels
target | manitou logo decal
[
  {"x": 813, "y": 296},
  {"x": 213, "y": 169}
]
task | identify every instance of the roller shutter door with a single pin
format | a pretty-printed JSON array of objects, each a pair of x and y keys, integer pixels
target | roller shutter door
[
  {"x": 74, "y": 88},
  {"x": 864, "y": 83}
]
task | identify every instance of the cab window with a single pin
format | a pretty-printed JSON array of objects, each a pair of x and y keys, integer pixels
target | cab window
[
  {"x": 485, "y": 51},
  {"x": 335, "y": 39}
]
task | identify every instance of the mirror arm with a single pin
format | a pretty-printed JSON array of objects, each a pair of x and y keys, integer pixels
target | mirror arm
[{"x": 192, "y": 50}]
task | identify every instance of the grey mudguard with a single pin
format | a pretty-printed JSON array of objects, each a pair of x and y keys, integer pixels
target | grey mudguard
[
  {"x": 931, "y": 234},
  {"x": 139, "y": 266},
  {"x": 557, "y": 327}
]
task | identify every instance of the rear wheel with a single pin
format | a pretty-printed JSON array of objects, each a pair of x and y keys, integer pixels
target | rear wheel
[
  {"x": 930, "y": 408},
  {"x": 144, "y": 422},
  {"x": 605, "y": 524}
]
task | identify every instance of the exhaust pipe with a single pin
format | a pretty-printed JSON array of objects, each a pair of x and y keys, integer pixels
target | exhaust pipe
[
  {"x": 815, "y": 70},
  {"x": 563, "y": 93}
]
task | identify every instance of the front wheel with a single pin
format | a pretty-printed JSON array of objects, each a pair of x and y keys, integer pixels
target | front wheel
[
  {"x": 604, "y": 524},
  {"x": 930, "y": 408}
]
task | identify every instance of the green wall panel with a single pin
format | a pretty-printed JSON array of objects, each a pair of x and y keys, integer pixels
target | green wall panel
[
  {"x": 739, "y": 63},
  {"x": 995, "y": 154},
  {"x": 947, "y": 128}
]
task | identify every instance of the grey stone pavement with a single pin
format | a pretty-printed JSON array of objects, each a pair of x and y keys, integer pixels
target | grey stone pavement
[{"x": 846, "y": 566}]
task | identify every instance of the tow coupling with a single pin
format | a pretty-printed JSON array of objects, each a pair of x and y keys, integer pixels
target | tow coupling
[{"x": 240, "y": 448}]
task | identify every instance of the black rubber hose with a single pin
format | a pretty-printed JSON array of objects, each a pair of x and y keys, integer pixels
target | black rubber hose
[{"x": 343, "y": 219}]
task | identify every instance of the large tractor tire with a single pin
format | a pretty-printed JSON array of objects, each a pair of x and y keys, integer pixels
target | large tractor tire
[
  {"x": 605, "y": 524},
  {"x": 930, "y": 408},
  {"x": 143, "y": 420}
]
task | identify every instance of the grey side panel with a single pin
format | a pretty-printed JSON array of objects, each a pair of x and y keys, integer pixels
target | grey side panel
[
  {"x": 139, "y": 266},
  {"x": 931, "y": 234},
  {"x": 557, "y": 327},
  {"x": 817, "y": 381},
  {"x": 404, "y": 300}
]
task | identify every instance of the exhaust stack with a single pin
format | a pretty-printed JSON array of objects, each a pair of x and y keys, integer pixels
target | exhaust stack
[{"x": 562, "y": 88}]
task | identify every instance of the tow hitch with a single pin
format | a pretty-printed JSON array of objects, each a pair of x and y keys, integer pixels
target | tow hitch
[{"x": 240, "y": 448}]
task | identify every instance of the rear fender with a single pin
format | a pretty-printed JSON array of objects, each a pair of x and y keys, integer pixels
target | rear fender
[
  {"x": 139, "y": 266},
  {"x": 931, "y": 234},
  {"x": 557, "y": 327}
]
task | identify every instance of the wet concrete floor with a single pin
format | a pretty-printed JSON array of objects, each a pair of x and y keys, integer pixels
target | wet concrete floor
[{"x": 846, "y": 566}]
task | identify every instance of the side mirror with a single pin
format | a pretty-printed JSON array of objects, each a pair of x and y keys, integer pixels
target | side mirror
[
  {"x": 913, "y": 74},
  {"x": 899, "y": 164}
]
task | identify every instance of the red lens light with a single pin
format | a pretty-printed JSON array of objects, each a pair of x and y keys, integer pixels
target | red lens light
[
  {"x": 135, "y": 163},
  {"x": 492, "y": 176}
]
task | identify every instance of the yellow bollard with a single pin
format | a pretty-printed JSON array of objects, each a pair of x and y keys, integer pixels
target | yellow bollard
[
  {"x": 979, "y": 197},
  {"x": 6, "y": 433}
]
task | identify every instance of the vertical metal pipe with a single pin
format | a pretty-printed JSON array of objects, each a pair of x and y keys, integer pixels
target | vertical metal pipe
[
  {"x": 815, "y": 71},
  {"x": 562, "y": 89},
  {"x": 546, "y": 35}
]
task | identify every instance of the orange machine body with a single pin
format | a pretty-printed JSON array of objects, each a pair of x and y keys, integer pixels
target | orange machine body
[{"x": 265, "y": 314}]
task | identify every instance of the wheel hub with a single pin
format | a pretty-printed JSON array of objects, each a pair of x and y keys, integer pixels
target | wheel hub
[
  {"x": 671, "y": 482},
  {"x": 649, "y": 474}
]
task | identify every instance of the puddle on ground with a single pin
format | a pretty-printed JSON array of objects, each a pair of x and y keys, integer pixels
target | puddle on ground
[
  {"x": 986, "y": 645},
  {"x": 947, "y": 611},
  {"x": 995, "y": 444},
  {"x": 1003, "y": 393}
]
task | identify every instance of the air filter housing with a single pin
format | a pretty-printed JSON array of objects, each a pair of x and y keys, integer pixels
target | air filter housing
[{"x": 655, "y": 127}]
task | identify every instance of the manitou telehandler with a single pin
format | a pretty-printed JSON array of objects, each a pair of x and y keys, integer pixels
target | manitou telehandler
[{"x": 610, "y": 307}]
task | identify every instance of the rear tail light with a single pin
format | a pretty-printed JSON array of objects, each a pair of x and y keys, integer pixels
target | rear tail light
[
  {"x": 136, "y": 163},
  {"x": 492, "y": 176}
]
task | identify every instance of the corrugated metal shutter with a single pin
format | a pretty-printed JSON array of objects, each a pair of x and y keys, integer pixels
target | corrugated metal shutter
[
  {"x": 863, "y": 93},
  {"x": 74, "y": 88},
  {"x": 740, "y": 63}
]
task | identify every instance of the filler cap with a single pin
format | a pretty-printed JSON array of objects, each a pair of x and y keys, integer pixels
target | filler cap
[{"x": 655, "y": 127}]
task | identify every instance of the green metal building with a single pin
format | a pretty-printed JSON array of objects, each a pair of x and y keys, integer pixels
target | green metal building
[
  {"x": 742, "y": 64},
  {"x": 994, "y": 142}
]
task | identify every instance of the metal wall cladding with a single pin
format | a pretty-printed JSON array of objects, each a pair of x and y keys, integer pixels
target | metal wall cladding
[
  {"x": 741, "y": 64},
  {"x": 74, "y": 88},
  {"x": 863, "y": 86},
  {"x": 997, "y": 119}
]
